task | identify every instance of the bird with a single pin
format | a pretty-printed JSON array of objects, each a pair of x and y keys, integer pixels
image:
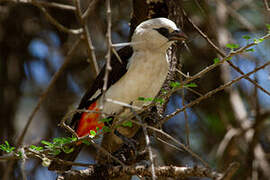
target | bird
[{"x": 140, "y": 73}]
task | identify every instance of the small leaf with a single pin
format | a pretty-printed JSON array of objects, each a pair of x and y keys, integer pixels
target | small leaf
[
  {"x": 6, "y": 147},
  {"x": 191, "y": 85},
  {"x": 47, "y": 143},
  {"x": 163, "y": 91},
  {"x": 268, "y": 26},
  {"x": 149, "y": 99},
  {"x": 67, "y": 150},
  {"x": 127, "y": 124},
  {"x": 36, "y": 148},
  {"x": 92, "y": 133},
  {"x": 257, "y": 41},
  {"x": 175, "y": 84},
  {"x": 74, "y": 138},
  {"x": 86, "y": 142},
  {"x": 232, "y": 46},
  {"x": 106, "y": 120},
  {"x": 55, "y": 152},
  {"x": 159, "y": 100},
  {"x": 216, "y": 60},
  {"x": 106, "y": 129},
  {"x": 20, "y": 154},
  {"x": 250, "y": 50},
  {"x": 145, "y": 99},
  {"x": 3, "y": 147},
  {"x": 141, "y": 98},
  {"x": 229, "y": 58},
  {"x": 246, "y": 37}
]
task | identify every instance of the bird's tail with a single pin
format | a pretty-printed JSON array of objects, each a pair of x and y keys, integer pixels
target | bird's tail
[{"x": 57, "y": 166}]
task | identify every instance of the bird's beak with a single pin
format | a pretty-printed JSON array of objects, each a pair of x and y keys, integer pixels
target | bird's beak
[{"x": 177, "y": 35}]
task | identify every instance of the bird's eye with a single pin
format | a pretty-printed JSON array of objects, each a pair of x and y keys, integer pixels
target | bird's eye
[{"x": 163, "y": 31}]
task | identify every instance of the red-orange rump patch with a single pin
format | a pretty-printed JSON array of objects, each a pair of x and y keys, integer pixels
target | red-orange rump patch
[{"x": 89, "y": 121}]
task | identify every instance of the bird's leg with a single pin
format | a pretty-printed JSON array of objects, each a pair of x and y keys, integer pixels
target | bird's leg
[{"x": 128, "y": 151}]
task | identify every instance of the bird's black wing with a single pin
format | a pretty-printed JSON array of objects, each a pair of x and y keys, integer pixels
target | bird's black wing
[{"x": 118, "y": 70}]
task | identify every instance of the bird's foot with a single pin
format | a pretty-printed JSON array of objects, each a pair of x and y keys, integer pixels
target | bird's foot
[{"x": 128, "y": 151}]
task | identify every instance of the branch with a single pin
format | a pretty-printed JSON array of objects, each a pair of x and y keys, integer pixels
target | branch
[
  {"x": 144, "y": 171},
  {"x": 86, "y": 34},
  {"x": 44, "y": 3}
]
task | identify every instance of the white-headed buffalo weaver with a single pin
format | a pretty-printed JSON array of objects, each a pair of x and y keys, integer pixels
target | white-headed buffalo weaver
[{"x": 141, "y": 73}]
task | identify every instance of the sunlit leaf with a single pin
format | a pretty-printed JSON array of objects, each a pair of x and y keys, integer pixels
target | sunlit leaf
[{"x": 127, "y": 124}]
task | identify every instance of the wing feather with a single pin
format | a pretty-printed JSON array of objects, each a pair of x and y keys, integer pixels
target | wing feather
[{"x": 118, "y": 70}]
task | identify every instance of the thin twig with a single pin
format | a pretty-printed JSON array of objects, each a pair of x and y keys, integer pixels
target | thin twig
[
  {"x": 86, "y": 34},
  {"x": 44, "y": 3},
  {"x": 169, "y": 144},
  {"x": 89, "y": 9},
  {"x": 241, "y": 19},
  {"x": 148, "y": 146},
  {"x": 266, "y": 5},
  {"x": 55, "y": 22},
  {"x": 185, "y": 113},
  {"x": 187, "y": 149},
  {"x": 194, "y": 91},
  {"x": 108, "y": 55}
]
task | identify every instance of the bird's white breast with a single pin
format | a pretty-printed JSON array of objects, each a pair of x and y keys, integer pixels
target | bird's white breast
[{"x": 145, "y": 76}]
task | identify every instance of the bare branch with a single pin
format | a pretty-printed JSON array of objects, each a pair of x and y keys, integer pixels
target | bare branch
[
  {"x": 143, "y": 170},
  {"x": 44, "y": 3},
  {"x": 266, "y": 5},
  {"x": 86, "y": 34}
]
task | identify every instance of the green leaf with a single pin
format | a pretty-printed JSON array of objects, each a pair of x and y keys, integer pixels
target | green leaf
[
  {"x": 216, "y": 60},
  {"x": 67, "y": 150},
  {"x": 175, "y": 84},
  {"x": 268, "y": 26},
  {"x": 7, "y": 144},
  {"x": 6, "y": 147},
  {"x": 106, "y": 129},
  {"x": 246, "y": 37},
  {"x": 86, "y": 142},
  {"x": 141, "y": 98},
  {"x": 145, "y": 99},
  {"x": 74, "y": 138},
  {"x": 127, "y": 124},
  {"x": 257, "y": 41},
  {"x": 36, "y": 148},
  {"x": 47, "y": 143},
  {"x": 159, "y": 100},
  {"x": 20, "y": 154},
  {"x": 55, "y": 151},
  {"x": 106, "y": 120},
  {"x": 92, "y": 133},
  {"x": 191, "y": 85},
  {"x": 232, "y": 46},
  {"x": 229, "y": 58},
  {"x": 250, "y": 50},
  {"x": 164, "y": 91},
  {"x": 3, "y": 147}
]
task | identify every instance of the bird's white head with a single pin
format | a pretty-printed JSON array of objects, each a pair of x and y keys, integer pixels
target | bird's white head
[{"x": 156, "y": 34}]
